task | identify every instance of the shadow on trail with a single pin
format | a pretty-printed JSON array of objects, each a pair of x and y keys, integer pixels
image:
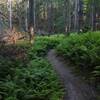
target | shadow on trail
[{"x": 75, "y": 88}]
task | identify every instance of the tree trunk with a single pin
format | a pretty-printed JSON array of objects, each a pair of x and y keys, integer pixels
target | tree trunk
[{"x": 32, "y": 13}]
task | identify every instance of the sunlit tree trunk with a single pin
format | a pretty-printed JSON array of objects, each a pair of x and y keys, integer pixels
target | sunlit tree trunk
[
  {"x": 76, "y": 20},
  {"x": 10, "y": 13}
]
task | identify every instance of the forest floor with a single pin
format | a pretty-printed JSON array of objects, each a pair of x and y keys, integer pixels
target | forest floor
[{"x": 75, "y": 88}]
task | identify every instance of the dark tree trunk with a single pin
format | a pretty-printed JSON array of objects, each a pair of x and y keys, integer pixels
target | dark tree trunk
[
  {"x": 50, "y": 16},
  {"x": 31, "y": 18}
]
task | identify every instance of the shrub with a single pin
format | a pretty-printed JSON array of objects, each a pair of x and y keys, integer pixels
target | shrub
[
  {"x": 83, "y": 50},
  {"x": 37, "y": 82},
  {"x": 32, "y": 78}
]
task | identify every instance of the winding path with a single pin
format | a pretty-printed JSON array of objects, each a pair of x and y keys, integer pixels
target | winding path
[{"x": 75, "y": 89}]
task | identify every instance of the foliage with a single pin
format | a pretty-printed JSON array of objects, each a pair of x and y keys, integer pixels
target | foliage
[
  {"x": 31, "y": 79},
  {"x": 43, "y": 44},
  {"x": 82, "y": 50},
  {"x": 36, "y": 82}
]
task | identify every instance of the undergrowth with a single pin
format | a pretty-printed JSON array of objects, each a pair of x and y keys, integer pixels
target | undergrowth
[
  {"x": 83, "y": 50},
  {"x": 25, "y": 74}
]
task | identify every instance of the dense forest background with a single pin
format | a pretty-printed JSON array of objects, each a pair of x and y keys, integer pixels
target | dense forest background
[
  {"x": 49, "y": 49},
  {"x": 51, "y": 16}
]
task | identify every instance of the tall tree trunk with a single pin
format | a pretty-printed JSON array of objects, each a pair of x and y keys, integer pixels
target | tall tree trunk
[
  {"x": 32, "y": 13},
  {"x": 50, "y": 16},
  {"x": 65, "y": 15},
  {"x": 76, "y": 20},
  {"x": 69, "y": 17},
  {"x": 0, "y": 24},
  {"x": 92, "y": 15},
  {"x": 26, "y": 16},
  {"x": 81, "y": 16}
]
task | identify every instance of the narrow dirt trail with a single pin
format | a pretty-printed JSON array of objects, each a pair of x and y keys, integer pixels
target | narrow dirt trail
[{"x": 75, "y": 88}]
